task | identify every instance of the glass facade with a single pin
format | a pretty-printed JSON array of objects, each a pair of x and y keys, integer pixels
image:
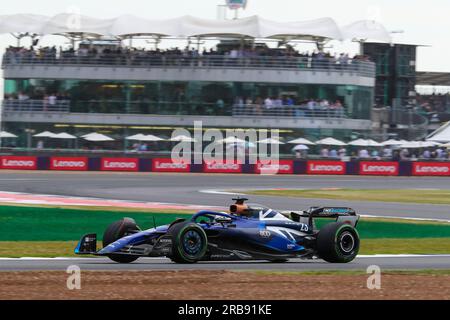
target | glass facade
[{"x": 182, "y": 97}]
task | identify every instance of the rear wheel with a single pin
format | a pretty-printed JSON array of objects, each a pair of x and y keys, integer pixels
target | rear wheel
[
  {"x": 338, "y": 243},
  {"x": 189, "y": 242},
  {"x": 117, "y": 230}
]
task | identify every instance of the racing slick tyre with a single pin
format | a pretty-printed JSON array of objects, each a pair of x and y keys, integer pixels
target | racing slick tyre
[
  {"x": 338, "y": 243},
  {"x": 114, "y": 232},
  {"x": 189, "y": 242}
]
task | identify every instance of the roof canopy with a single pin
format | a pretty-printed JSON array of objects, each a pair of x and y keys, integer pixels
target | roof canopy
[
  {"x": 366, "y": 30},
  {"x": 189, "y": 26}
]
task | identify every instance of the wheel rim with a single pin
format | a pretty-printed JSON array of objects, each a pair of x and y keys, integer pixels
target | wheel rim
[
  {"x": 192, "y": 243},
  {"x": 347, "y": 242}
]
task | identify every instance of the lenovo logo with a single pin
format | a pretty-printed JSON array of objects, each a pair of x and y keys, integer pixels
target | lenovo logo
[
  {"x": 17, "y": 163},
  {"x": 432, "y": 169},
  {"x": 326, "y": 167},
  {"x": 167, "y": 165},
  {"x": 283, "y": 166},
  {"x": 378, "y": 168},
  {"x": 221, "y": 167},
  {"x": 58, "y": 163},
  {"x": 120, "y": 164}
]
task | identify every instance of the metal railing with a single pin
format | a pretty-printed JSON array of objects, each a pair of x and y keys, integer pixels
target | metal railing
[
  {"x": 172, "y": 108},
  {"x": 36, "y": 106},
  {"x": 300, "y": 111},
  {"x": 151, "y": 59}
]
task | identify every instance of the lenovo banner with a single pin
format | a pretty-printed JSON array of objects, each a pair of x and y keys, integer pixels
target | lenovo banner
[
  {"x": 431, "y": 169},
  {"x": 168, "y": 165},
  {"x": 222, "y": 167},
  {"x": 282, "y": 167},
  {"x": 70, "y": 164},
  {"x": 119, "y": 164},
  {"x": 378, "y": 168},
  {"x": 18, "y": 163},
  {"x": 325, "y": 167}
]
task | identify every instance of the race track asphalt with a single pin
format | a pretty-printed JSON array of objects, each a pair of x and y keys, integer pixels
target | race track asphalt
[
  {"x": 186, "y": 189},
  {"x": 190, "y": 188},
  {"x": 147, "y": 264}
]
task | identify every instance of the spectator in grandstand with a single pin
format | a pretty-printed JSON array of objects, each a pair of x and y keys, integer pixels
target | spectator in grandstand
[
  {"x": 333, "y": 153},
  {"x": 363, "y": 154},
  {"x": 375, "y": 154},
  {"x": 387, "y": 152},
  {"x": 426, "y": 154},
  {"x": 278, "y": 102},
  {"x": 324, "y": 153},
  {"x": 404, "y": 154},
  {"x": 440, "y": 153},
  {"x": 268, "y": 103},
  {"x": 342, "y": 152}
]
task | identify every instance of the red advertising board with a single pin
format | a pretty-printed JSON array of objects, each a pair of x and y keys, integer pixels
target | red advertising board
[
  {"x": 280, "y": 167},
  {"x": 378, "y": 168},
  {"x": 119, "y": 164},
  {"x": 169, "y": 165},
  {"x": 431, "y": 169},
  {"x": 222, "y": 167},
  {"x": 325, "y": 167},
  {"x": 69, "y": 163},
  {"x": 18, "y": 163}
]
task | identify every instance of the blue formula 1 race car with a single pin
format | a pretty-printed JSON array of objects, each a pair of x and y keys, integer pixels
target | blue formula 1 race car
[{"x": 248, "y": 232}]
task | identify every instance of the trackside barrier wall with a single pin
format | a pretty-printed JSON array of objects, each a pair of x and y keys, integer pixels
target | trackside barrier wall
[{"x": 298, "y": 166}]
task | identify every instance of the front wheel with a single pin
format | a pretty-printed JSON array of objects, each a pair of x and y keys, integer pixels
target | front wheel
[
  {"x": 189, "y": 242},
  {"x": 114, "y": 232},
  {"x": 338, "y": 243}
]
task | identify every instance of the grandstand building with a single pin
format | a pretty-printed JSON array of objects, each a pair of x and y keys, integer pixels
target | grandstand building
[{"x": 241, "y": 82}]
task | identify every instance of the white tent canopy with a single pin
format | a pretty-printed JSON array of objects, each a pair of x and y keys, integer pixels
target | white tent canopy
[
  {"x": 45, "y": 134},
  {"x": 231, "y": 140},
  {"x": 151, "y": 137},
  {"x": 137, "y": 137},
  {"x": 393, "y": 142},
  {"x": 97, "y": 137},
  {"x": 189, "y": 26},
  {"x": 300, "y": 147},
  {"x": 366, "y": 30},
  {"x": 302, "y": 141},
  {"x": 331, "y": 142},
  {"x": 441, "y": 135},
  {"x": 183, "y": 138},
  {"x": 143, "y": 137},
  {"x": 364, "y": 143},
  {"x": 4, "y": 134},
  {"x": 270, "y": 141},
  {"x": 63, "y": 135},
  {"x": 419, "y": 144}
]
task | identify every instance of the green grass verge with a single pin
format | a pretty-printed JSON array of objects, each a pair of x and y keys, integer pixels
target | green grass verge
[
  {"x": 384, "y": 195},
  {"x": 61, "y": 224},
  {"x": 23, "y": 223},
  {"x": 16, "y": 249}
]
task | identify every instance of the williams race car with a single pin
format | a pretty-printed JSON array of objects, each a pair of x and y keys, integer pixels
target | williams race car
[{"x": 247, "y": 232}]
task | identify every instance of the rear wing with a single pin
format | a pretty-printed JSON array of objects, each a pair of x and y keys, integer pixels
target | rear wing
[{"x": 341, "y": 214}]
